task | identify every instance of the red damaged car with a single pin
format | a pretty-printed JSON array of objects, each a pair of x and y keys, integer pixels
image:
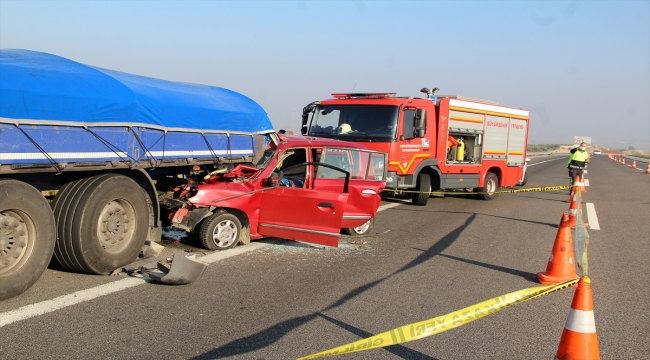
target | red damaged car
[{"x": 303, "y": 188}]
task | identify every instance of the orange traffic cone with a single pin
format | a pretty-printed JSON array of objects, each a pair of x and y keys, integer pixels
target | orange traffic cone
[
  {"x": 582, "y": 184},
  {"x": 560, "y": 267},
  {"x": 573, "y": 208},
  {"x": 633, "y": 164},
  {"x": 648, "y": 169},
  {"x": 579, "y": 339},
  {"x": 578, "y": 184},
  {"x": 623, "y": 162}
]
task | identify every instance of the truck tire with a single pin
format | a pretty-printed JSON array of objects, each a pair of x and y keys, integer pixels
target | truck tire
[
  {"x": 490, "y": 187},
  {"x": 220, "y": 231},
  {"x": 27, "y": 236},
  {"x": 360, "y": 230},
  {"x": 524, "y": 180},
  {"x": 102, "y": 223},
  {"x": 423, "y": 188}
]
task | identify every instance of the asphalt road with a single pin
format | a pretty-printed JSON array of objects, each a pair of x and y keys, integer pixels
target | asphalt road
[{"x": 288, "y": 299}]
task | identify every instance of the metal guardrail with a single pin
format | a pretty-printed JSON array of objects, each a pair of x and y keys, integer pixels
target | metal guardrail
[{"x": 539, "y": 154}]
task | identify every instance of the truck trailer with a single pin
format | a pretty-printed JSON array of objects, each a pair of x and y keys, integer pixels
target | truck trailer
[
  {"x": 82, "y": 150},
  {"x": 434, "y": 143}
]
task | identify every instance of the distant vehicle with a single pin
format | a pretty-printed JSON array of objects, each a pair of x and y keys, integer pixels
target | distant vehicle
[{"x": 597, "y": 152}]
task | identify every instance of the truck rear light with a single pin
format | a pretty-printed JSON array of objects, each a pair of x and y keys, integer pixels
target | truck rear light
[{"x": 363, "y": 95}]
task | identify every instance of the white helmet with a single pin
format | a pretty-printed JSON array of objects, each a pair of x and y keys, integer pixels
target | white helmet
[{"x": 345, "y": 128}]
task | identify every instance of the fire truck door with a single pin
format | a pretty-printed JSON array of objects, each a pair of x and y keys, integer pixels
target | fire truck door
[{"x": 308, "y": 215}]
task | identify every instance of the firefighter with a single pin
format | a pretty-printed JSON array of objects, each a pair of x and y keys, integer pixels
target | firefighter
[{"x": 578, "y": 162}]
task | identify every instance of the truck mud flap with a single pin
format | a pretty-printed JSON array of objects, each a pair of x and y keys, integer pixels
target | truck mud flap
[{"x": 183, "y": 271}]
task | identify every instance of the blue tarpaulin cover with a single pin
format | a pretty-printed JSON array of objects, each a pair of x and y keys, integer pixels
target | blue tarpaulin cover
[{"x": 40, "y": 86}]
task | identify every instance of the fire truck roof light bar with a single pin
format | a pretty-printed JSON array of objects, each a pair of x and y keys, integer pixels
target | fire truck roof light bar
[{"x": 364, "y": 95}]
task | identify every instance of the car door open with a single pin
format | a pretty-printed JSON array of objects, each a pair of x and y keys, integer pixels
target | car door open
[
  {"x": 367, "y": 179},
  {"x": 303, "y": 214}
]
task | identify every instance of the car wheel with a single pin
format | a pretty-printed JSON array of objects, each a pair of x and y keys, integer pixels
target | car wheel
[
  {"x": 360, "y": 230},
  {"x": 220, "y": 231}
]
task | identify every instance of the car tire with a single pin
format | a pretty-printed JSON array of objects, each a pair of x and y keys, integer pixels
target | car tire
[
  {"x": 220, "y": 231},
  {"x": 423, "y": 188},
  {"x": 490, "y": 188},
  {"x": 27, "y": 234},
  {"x": 360, "y": 230},
  {"x": 102, "y": 223}
]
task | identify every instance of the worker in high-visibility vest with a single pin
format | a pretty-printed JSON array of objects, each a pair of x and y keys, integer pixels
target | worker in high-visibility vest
[{"x": 578, "y": 161}]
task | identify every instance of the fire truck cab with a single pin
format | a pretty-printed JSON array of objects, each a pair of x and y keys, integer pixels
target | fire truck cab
[{"x": 434, "y": 143}]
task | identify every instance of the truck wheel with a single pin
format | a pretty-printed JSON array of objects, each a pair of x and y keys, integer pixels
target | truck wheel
[
  {"x": 220, "y": 231},
  {"x": 27, "y": 235},
  {"x": 423, "y": 189},
  {"x": 102, "y": 223},
  {"x": 490, "y": 187},
  {"x": 524, "y": 180},
  {"x": 360, "y": 230}
]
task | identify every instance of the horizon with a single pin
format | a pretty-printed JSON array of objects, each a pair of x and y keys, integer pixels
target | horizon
[{"x": 581, "y": 68}]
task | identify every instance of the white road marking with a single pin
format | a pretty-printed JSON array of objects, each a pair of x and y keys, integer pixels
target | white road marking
[
  {"x": 586, "y": 182},
  {"x": 388, "y": 206},
  {"x": 47, "y": 306},
  {"x": 541, "y": 162},
  {"x": 61, "y": 302},
  {"x": 592, "y": 218},
  {"x": 220, "y": 255}
]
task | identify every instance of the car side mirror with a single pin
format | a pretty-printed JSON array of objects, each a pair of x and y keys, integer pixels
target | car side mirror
[{"x": 273, "y": 180}]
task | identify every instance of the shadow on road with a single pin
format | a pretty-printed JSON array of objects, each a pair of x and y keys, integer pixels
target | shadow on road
[
  {"x": 399, "y": 350},
  {"x": 272, "y": 334},
  {"x": 494, "y": 216},
  {"x": 526, "y": 275}
]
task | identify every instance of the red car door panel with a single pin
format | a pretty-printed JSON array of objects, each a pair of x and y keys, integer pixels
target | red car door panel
[
  {"x": 367, "y": 181},
  {"x": 302, "y": 214},
  {"x": 363, "y": 202}
]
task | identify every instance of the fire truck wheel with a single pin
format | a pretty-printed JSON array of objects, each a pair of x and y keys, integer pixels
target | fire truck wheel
[
  {"x": 360, "y": 230},
  {"x": 423, "y": 189},
  {"x": 220, "y": 231},
  {"x": 490, "y": 187}
]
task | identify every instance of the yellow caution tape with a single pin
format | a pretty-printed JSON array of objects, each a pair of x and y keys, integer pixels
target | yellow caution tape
[
  {"x": 442, "y": 323},
  {"x": 508, "y": 191}
]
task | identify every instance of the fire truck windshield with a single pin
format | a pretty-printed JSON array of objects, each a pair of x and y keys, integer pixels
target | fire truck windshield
[{"x": 355, "y": 122}]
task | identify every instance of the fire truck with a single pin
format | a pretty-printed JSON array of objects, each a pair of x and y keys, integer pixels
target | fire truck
[{"x": 444, "y": 142}]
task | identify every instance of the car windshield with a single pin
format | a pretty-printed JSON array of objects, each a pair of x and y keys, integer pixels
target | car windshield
[
  {"x": 355, "y": 122},
  {"x": 264, "y": 161}
]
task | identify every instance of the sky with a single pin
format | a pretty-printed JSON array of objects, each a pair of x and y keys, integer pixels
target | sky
[{"x": 581, "y": 67}]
